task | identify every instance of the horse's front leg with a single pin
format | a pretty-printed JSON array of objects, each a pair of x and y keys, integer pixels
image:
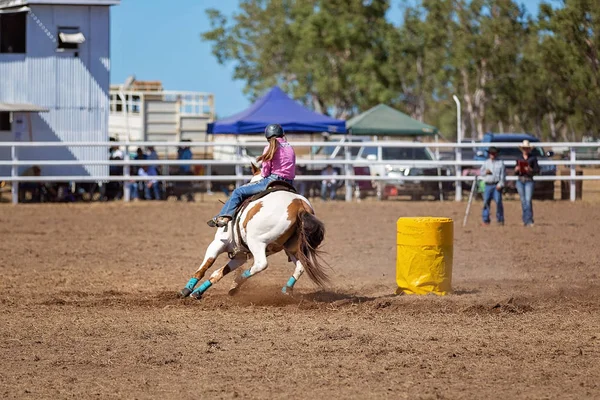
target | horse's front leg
[
  {"x": 218, "y": 275},
  {"x": 289, "y": 286},
  {"x": 214, "y": 249}
]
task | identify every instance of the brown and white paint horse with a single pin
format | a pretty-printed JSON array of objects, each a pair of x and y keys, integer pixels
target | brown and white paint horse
[{"x": 279, "y": 221}]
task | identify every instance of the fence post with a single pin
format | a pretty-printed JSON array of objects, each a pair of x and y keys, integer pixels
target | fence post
[
  {"x": 208, "y": 171},
  {"x": 572, "y": 191},
  {"x": 458, "y": 183},
  {"x": 347, "y": 172},
  {"x": 127, "y": 174},
  {"x": 458, "y": 150},
  {"x": 14, "y": 173},
  {"x": 439, "y": 170}
]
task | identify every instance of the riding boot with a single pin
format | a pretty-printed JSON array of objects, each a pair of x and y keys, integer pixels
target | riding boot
[{"x": 218, "y": 222}]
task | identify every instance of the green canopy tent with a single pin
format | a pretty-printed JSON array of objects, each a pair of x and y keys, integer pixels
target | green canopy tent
[{"x": 385, "y": 121}]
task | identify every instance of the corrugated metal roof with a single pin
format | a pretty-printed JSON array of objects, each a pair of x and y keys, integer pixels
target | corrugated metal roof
[
  {"x": 21, "y": 107},
  {"x": 16, "y": 3},
  {"x": 14, "y": 10}
]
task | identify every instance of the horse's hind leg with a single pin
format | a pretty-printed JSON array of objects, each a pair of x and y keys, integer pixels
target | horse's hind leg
[
  {"x": 258, "y": 250},
  {"x": 218, "y": 275},
  {"x": 212, "y": 252},
  {"x": 289, "y": 286}
]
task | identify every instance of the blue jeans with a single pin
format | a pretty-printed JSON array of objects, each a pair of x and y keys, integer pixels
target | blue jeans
[
  {"x": 243, "y": 192},
  {"x": 324, "y": 187},
  {"x": 525, "y": 189},
  {"x": 155, "y": 190},
  {"x": 490, "y": 192},
  {"x": 133, "y": 189}
]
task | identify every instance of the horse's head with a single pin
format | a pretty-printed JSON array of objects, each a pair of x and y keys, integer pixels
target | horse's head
[{"x": 255, "y": 172}]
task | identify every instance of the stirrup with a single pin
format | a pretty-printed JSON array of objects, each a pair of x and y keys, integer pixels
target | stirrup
[
  {"x": 212, "y": 222},
  {"x": 220, "y": 222}
]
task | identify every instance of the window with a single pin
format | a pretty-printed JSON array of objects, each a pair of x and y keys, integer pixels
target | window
[
  {"x": 366, "y": 151},
  {"x": 5, "y": 121},
  {"x": 513, "y": 153},
  {"x": 405, "y": 153},
  {"x": 13, "y": 28},
  {"x": 69, "y": 38}
]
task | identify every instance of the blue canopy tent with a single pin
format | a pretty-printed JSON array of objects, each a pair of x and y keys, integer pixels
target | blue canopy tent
[{"x": 276, "y": 107}]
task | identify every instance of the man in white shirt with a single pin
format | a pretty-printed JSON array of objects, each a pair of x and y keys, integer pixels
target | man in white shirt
[{"x": 493, "y": 174}]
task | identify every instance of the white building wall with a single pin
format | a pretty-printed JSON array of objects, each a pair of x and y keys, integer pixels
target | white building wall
[{"x": 72, "y": 85}]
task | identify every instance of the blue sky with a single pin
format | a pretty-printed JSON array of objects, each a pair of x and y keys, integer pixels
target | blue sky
[{"x": 158, "y": 40}]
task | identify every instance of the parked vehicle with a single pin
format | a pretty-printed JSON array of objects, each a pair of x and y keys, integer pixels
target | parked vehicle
[{"x": 397, "y": 185}]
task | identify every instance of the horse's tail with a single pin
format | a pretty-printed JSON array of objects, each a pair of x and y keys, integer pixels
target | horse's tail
[{"x": 311, "y": 233}]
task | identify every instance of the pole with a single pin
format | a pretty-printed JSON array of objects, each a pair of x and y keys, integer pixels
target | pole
[
  {"x": 458, "y": 151},
  {"x": 14, "y": 172},
  {"x": 379, "y": 183},
  {"x": 126, "y": 169},
  {"x": 348, "y": 171},
  {"x": 469, "y": 202},
  {"x": 572, "y": 187},
  {"x": 208, "y": 169},
  {"x": 439, "y": 170}
]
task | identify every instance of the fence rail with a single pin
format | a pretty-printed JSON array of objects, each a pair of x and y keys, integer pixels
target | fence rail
[{"x": 347, "y": 163}]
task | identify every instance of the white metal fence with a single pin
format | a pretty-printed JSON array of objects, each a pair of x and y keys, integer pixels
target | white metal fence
[{"x": 347, "y": 163}]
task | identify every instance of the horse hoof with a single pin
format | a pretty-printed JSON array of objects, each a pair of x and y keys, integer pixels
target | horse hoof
[
  {"x": 288, "y": 291},
  {"x": 233, "y": 291},
  {"x": 196, "y": 295},
  {"x": 185, "y": 292}
]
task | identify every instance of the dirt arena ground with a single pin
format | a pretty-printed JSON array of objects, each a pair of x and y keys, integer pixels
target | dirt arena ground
[{"x": 88, "y": 309}]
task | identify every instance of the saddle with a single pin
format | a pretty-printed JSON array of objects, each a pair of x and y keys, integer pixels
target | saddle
[{"x": 275, "y": 186}]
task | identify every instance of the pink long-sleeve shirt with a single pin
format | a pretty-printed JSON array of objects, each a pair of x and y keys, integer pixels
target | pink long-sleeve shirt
[{"x": 283, "y": 162}]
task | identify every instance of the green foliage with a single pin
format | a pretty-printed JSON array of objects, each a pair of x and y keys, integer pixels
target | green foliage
[{"x": 513, "y": 72}]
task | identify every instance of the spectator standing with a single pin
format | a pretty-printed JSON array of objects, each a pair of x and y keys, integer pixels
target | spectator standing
[
  {"x": 151, "y": 190},
  {"x": 136, "y": 186},
  {"x": 527, "y": 167},
  {"x": 185, "y": 153},
  {"x": 140, "y": 155},
  {"x": 114, "y": 189},
  {"x": 493, "y": 174},
  {"x": 300, "y": 171},
  {"x": 35, "y": 188},
  {"x": 328, "y": 184},
  {"x": 153, "y": 156}
]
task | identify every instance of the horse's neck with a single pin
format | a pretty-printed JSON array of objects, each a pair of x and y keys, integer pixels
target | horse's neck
[{"x": 256, "y": 178}]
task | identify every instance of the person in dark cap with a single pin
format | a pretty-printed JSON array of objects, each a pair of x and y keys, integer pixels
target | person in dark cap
[{"x": 493, "y": 174}]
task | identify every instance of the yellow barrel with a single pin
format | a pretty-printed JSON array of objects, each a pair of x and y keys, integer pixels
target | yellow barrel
[{"x": 424, "y": 255}]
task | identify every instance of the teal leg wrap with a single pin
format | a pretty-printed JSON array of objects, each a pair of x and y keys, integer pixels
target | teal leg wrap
[
  {"x": 203, "y": 287},
  {"x": 246, "y": 274},
  {"x": 291, "y": 282},
  {"x": 192, "y": 283},
  {"x": 289, "y": 285}
]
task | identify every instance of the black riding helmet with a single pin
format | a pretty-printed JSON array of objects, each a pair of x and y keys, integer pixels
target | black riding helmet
[{"x": 273, "y": 130}]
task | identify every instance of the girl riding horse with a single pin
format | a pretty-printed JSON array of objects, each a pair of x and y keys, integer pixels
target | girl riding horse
[{"x": 278, "y": 164}]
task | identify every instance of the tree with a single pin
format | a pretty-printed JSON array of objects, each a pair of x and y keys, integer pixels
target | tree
[
  {"x": 569, "y": 47},
  {"x": 514, "y": 72},
  {"x": 326, "y": 53}
]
